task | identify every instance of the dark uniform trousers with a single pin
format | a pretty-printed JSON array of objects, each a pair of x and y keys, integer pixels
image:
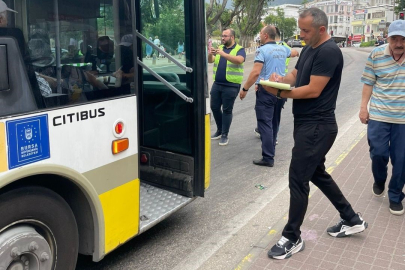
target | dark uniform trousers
[
  {"x": 265, "y": 104},
  {"x": 311, "y": 144},
  {"x": 277, "y": 117}
]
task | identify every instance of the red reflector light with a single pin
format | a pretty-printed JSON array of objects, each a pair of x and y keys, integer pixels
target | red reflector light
[
  {"x": 119, "y": 127},
  {"x": 144, "y": 158}
]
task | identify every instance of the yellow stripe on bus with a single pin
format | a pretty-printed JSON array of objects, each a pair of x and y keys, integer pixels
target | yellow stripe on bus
[
  {"x": 3, "y": 152},
  {"x": 207, "y": 151},
  {"x": 121, "y": 214}
]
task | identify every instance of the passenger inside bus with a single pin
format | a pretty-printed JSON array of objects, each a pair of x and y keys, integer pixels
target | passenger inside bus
[
  {"x": 125, "y": 73},
  {"x": 74, "y": 79},
  {"x": 72, "y": 60}
]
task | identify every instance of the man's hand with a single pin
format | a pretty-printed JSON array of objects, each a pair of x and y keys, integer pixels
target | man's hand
[
  {"x": 118, "y": 74},
  {"x": 242, "y": 94},
  {"x": 364, "y": 116},
  {"x": 221, "y": 52},
  {"x": 274, "y": 77}
]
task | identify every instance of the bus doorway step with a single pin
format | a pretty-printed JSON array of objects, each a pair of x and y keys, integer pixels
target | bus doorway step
[{"x": 157, "y": 204}]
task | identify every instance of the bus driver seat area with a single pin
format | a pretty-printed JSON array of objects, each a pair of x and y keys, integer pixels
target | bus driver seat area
[{"x": 13, "y": 96}]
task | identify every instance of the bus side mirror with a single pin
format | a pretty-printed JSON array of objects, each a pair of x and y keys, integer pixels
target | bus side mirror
[{"x": 4, "y": 80}]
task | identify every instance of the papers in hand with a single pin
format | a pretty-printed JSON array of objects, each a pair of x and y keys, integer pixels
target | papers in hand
[{"x": 282, "y": 86}]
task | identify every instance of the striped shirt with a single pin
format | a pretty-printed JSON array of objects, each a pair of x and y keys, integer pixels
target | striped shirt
[{"x": 387, "y": 77}]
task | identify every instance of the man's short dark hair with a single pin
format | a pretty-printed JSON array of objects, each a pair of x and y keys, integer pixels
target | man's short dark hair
[
  {"x": 270, "y": 30},
  {"x": 319, "y": 17},
  {"x": 230, "y": 30}
]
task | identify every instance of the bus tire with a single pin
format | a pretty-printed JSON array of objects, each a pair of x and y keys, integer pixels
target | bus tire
[{"x": 48, "y": 216}]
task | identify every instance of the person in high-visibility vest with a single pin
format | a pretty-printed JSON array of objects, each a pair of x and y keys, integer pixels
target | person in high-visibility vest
[{"x": 228, "y": 61}]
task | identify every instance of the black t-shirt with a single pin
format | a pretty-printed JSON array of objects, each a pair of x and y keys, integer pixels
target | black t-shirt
[{"x": 324, "y": 60}]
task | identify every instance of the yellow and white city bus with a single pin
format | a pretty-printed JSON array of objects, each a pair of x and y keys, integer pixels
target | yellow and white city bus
[{"x": 104, "y": 127}]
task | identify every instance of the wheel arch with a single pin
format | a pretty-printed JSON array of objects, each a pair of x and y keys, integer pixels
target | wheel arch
[{"x": 77, "y": 191}]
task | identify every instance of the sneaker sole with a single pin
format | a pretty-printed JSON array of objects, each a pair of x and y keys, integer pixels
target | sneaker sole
[
  {"x": 216, "y": 138},
  {"x": 297, "y": 249},
  {"x": 397, "y": 213},
  {"x": 352, "y": 230},
  {"x": 222, "y": 144},
  {"x": 377, "y": 195},
  {"x": 256, "y": 133}
]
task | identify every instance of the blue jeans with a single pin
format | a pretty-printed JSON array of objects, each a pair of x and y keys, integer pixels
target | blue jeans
[
  {"x": 265, "y": 104},
  {"x": 386, "y": 141},
  {"x": 223, "y": 96}
]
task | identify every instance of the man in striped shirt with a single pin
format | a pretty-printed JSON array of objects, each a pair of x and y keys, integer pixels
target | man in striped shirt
[{"x": 384, "y": 83}]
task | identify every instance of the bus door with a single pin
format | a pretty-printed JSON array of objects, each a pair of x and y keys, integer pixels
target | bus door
[{"x": 172, "y": 92}]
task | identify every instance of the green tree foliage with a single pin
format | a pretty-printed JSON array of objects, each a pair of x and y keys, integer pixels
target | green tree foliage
[
  {"x": 217, "y": 16},
  {"x": 106, "y": 22},
  {"x": 287, "y": 26},
  {"x": 249, "y": 19},
  {"x": 165, "y": 21},
  {"x": 152, "y": 9},
  {"x": 399, "y": 6}
]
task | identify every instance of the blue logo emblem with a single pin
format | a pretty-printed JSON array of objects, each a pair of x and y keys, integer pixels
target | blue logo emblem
[{"x": 28, "y": 140}]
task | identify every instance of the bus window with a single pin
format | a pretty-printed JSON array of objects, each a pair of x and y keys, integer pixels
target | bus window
[
  {"x": 168, "y": 116},
  {"x": 75, "y": 49}
]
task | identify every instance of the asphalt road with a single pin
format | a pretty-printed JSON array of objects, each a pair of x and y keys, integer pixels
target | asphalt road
[{"x": 217, "y": 231}]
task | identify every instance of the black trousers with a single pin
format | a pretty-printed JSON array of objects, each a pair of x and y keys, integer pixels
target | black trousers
[{"x": 311, "y": 144}]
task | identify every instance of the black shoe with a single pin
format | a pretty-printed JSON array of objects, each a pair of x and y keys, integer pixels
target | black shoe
[
  {"x": 344, "y": 228},
  {"x": 224, "y": 140},
  {"x": 217, "y": 135},
  {"x": 285, "y": 248},
  {"x": 256, "y": 130},
  {"x": 378, "y": 189},
  {"x": 261, "y": 162},
  {"x": 396, "y": 208}
]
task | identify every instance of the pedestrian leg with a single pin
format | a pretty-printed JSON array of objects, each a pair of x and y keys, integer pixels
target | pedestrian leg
[
  {"x": 229, "y": 95},
  {"x": 328, "y": 186},
  {"x": 378, "y": 135},
  {"x": 216, "y": 103},
  {"x": 277, "y": 117},
  {"x": 304, "y": 161},
  {"x": 397, "y": 151}
]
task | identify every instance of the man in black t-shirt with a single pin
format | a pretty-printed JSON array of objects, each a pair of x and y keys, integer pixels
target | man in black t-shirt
[{"x": 316, "y": 78}]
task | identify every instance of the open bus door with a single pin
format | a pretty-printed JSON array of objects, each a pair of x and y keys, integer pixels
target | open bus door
[{"x": 172, "y": 93}]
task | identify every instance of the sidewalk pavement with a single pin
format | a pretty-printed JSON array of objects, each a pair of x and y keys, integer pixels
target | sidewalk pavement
[{"x": 381, "y": 246}]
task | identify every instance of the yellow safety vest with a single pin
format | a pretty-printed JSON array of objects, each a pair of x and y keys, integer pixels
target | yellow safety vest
[
  {"x": 287, "y": 61},
  {"x": 234, "y": 72}
]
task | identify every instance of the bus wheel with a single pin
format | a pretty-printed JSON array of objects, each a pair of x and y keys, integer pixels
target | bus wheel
[{"x": 37, "y": 230}]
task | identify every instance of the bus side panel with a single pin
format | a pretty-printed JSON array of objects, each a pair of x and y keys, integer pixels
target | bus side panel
[
  {"x": 80, "y": 138},
  {"x": 207, "y": 151},
  {"x": 121, "y": 213}
]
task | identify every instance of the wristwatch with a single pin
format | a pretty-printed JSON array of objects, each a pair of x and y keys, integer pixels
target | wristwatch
[
  {"x": 279, "y": 93},
  {"x": 244, "y": 90}
]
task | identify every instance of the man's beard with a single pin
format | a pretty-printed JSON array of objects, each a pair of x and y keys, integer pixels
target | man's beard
[{"x": 227, "y": 43}]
